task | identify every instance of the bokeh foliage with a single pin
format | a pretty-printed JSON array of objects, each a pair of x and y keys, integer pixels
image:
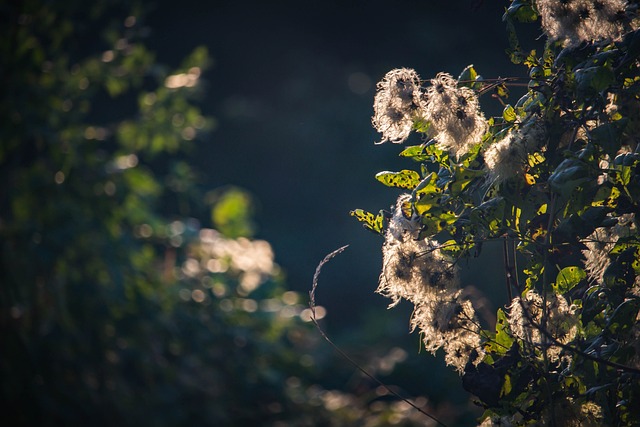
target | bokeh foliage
[{"x": 120, "y": 304}]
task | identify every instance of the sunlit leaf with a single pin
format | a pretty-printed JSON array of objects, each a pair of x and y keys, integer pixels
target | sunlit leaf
[
  {"x": 469, "y": 77},
  {"x": 568, "y": 278},
  {"x": 506, "y": 386},
  {"x": 535, "y": 158},
  {"x": 407, "y": 179},
  {"x": 529, "y": 179},
  {"x": 462, "y": 178},
  {"x": 371, "y": 222},
  {"x": 426, "y": 186},
  {"x": 503, "y": 338},
  {"x": 421, "y": 125},
  {"x": 427, "y": 195},
  {"x": 522, "y": 11},
  {"x": 435, "y": 223},
  {"x": 501, "y": 90},
  {"x": 416, "y": 152},
  {"x": 509, "y": 114}
]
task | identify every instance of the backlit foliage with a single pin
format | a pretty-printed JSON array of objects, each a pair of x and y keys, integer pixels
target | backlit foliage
[
  {"x": 556, "y": 179},
  {"x": 124, "y": 299}
]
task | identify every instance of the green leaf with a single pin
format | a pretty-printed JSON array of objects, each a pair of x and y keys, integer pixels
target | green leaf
[
  {"x": 516, "y": 55},
  {"x": 624, "y": 317},
  {"x": 568, "y": 278},
  {"x": 593, "y": 79},
  {"x": 606, "y": 196},
  {"x": 522, "y": 11},
  {"x": 570, "y": 174},
  {"x": 489, "y": 215},
  {"x": 426, "y": 186},
  {"x": 580, "y": 226},
  {"x": 407, "y": 179},
  {"x": 608, "y": 135},
  {"x": 469, "y": 74},
  {"x": 509, "y": 114},
  {"x": 434, "y": 223},
  {"x": 624, "y": 165},
  {"x": 417, "y": 153},
  {"x": 503, "y": 338},
  {"x": 371, "y": 222},
  {"x": 470, "y": 78},
  {"x": 462, "y": 177},
  {"x": 421, "y": 125},
  {"x": 427, "y": 195},
  {"x": 506, "y": 386}
]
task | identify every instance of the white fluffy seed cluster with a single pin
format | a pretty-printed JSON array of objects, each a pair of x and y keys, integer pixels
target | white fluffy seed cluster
[
  {"x": 529, "y": 314},
  {"x": 453, "y": 112},
  {"x": 575, "y": 21},
  {"x": 508, "y": 157},
  {"x": 599, "y": 244},
  {"x": 396, "y": 104},
  {"x": 416, "y": 270}
]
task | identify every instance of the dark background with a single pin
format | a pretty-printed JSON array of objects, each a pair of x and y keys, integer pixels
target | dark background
[{"x": 292, "y": 88}]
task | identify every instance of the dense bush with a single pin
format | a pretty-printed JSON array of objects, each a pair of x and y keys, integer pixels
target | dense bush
[{"x": 556, "y": 180}]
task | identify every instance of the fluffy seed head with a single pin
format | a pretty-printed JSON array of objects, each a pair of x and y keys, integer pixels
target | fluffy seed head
[
  {"x": 574, "y": 21},
  {"x": 454, "y": 113},
  {"x": 559, "y": 321},
  {"x": 396, "y": 104},
  {"x": 416, "y": 270},
  {"x": 508, "y": 157},
  {"x": 601, "y": 242}
]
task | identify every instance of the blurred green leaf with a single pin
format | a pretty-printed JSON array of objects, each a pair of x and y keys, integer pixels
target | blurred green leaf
[{"x": 232, "y": 213}]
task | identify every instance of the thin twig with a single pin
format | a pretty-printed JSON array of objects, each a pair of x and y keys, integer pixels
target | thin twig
[
  {"x": 507, "y": 267},
  {"x": 312, "y": 306},
  {"x": 515, "y": 266}
]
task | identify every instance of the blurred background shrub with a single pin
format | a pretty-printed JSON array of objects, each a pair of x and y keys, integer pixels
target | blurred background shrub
[{"x": 131, "y": 293}]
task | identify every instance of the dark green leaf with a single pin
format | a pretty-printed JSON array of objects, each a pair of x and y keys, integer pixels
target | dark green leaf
[
  {"x": 568, "y": 175},
  {"x": 592, "y": 79},
  {"x": 624, "y": 317}
]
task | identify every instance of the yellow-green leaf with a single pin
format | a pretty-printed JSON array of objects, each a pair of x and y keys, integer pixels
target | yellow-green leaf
[
  {"x": 407, "y": 179},
  {"x": 433, "y": 224},
  {"x": 462, "y": 178},
  {"x": 509, "y": 114},
  {"x": 568, "y": 278},
  {"x": 369, "y": 221}
]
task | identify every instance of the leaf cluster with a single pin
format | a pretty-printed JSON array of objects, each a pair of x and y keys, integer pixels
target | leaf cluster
[{"x": 566, "y": 211}]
